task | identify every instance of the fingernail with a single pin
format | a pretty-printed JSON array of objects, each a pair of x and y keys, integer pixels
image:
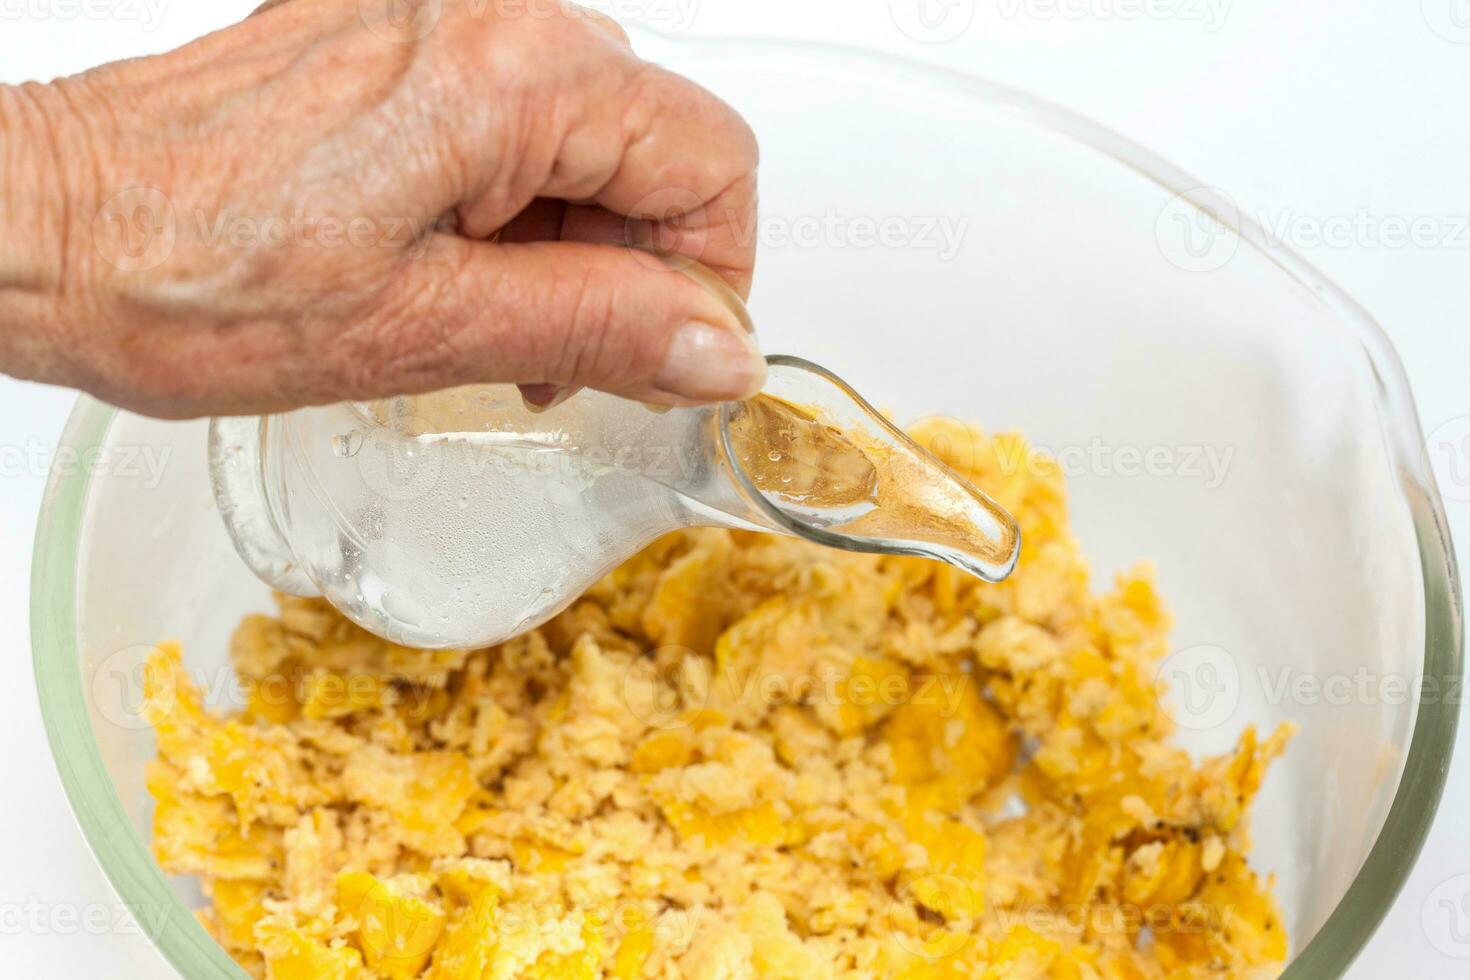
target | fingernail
[
  {"x": 711, "y": 363},
  {"x": 542, "y": 397}
]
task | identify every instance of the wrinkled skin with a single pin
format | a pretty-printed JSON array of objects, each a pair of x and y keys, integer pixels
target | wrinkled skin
[{"x": 325, "y": 202}]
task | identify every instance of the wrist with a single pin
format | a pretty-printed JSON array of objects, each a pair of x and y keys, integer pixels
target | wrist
[
  {"x": 46, "y": 169},
  {"x": 33, "y": 207}
]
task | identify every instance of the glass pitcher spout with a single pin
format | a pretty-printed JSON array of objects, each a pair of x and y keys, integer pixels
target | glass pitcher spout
[{"x": 817, "y": 461}]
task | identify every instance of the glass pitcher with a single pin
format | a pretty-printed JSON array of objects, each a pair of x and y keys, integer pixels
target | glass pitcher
[{"x": 462, "y": 518}]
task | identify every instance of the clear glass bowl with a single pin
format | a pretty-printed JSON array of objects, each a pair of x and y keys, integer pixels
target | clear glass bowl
[{"x": 954, "y": 247}]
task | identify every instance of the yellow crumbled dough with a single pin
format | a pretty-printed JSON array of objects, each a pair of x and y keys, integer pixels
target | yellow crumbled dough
[{"x": 738, "y": 755}]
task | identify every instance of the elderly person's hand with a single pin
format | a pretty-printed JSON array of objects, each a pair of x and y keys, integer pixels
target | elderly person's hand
[{"x": 327, "y": 202}]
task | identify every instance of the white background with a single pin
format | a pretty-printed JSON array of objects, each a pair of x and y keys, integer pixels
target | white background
[{"x": 1310, "y": 114}]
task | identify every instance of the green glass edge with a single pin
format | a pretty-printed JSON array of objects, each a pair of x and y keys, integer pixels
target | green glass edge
[
  {"x": 1421, "y": 786},
  {"x": 124, "y": 858}
]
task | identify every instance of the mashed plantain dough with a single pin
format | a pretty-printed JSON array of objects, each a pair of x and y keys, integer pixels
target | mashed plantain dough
[{"x": 738, "y": 755}]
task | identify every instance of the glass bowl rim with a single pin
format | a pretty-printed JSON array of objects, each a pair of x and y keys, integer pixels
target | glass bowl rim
[{"x": 129, "y": 866}]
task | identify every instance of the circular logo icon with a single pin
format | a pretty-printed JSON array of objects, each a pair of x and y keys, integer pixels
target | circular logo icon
[
  {"x": 658, "y": 223},
  {"x": 956, "y": 444},
  {"x": 117, "y": 686},
  {"x": 947, "y": 896},
  {"x": 1450, "y": 19},
  {"x": 1448, "y": 447},
  {"x": 136, "y": 230},
  {"x": 932, "y": 21},
  {"x": 400, "y": 21},
  {"x": 1446, "y": 917},
  {"x": 399, "y": 932},
  {"x": 396, "y": 465},
  {"x": 666, "y": 689},
  {"x": 1196, "y": 230},
  {"x": 1203, "y": 686}
]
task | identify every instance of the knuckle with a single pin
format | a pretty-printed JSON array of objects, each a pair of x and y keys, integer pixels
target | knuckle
[
  {"x": 522, "y": 31},
  {"x": 746, "y": 146},
  {"x": 737, "y": 137},
  {"x": 734, "y": 149},
  {"x": 588, "y": 324},
  {"x": 605, "y": 25}
]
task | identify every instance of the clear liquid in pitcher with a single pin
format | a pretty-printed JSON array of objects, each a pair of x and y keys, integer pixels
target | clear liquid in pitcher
[{"x": 462, "y": 518}]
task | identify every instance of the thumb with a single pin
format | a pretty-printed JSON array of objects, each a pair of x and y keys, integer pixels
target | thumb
[{"x": 558, "y": 314}]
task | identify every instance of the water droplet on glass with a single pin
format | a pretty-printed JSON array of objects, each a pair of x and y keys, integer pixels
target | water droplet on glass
[{"x": 346, "y": 446}]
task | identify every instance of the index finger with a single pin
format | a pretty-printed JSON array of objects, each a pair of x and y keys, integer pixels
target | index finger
[{"x": 685, "y": 182}]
